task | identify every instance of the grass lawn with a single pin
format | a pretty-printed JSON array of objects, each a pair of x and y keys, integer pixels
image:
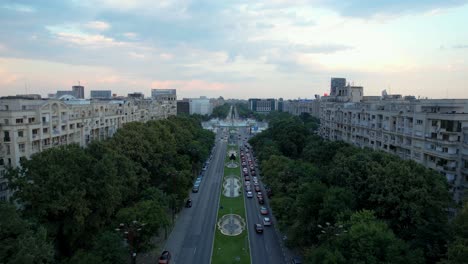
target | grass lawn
[{"x": 231, "y": 249}]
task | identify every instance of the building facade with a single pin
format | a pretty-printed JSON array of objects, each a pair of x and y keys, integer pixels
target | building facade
[
  {"x": 432, "y": 132},
  {"x": 79, "y": 91},
  {"x": 262, "y": 105},
  {"x": 101, "y": 94},
  {"x": 31, "y": 126},
  {"x": 200, "y": 106},
  {"x": 165, "y": 94},
  {"x": 297, "y": 107},
  {"x": 183, "y": 107}
]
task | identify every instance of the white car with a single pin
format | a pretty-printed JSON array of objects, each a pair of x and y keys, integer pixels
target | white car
[
  {"x": 249, "y": 194},
  {"x": 266, "y": 221}
]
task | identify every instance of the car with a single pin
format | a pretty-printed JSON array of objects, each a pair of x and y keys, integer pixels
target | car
[
  {"x": 247, "y": 183},
  {"x": 246, "y": 173},
  {"x": 195, "y": 189},
  {"x": 258, "y": 228},
  {"x": 204, "y": 168},
  {"x": 296, "y": 260},
  {"x": 260, "y": 200},
  {"x": 253, "y": 173},
  {"x": 257, "y": 188},
  {"x": 188, "y": 203},
  {"x": 249, "y": 194},
  {"x": 248, "y": 188},
  {"x": 266, "y": 221},
  {"x": 255, "y": 178},
  {"x": 263, "y": 210},
  {"x": 259, "y": 194},
  {"x": 165, "y": 257},
  {"x": 247, "y": 178}
]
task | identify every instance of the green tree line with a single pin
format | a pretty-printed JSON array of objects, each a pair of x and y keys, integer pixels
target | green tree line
[
  {"x": 71, "y": 199},
  {"x": 221, "y": 111},
  {"x": 341, "y": 204}
]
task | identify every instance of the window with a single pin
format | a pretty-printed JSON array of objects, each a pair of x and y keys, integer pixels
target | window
[
  {"x": 419, "y": 122},
  {"x": 6, "y": 136},
  {"x": 6, "y": 121},
  {"x": 2, "y": 162},
  {"x": 45, "y": 130},
  {"x": 19, "y": 121},
  {"x": 21, "y": 133},
  {"x": 434, "y": 122},
  {"x": 21, "y": 147},
  {"x": 445, "y": 149}
]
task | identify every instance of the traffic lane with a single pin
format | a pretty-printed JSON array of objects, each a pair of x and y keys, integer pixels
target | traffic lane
[
  {"x": 257, "y": 241},
  {"x": 202, "y": 217},
  {"x": 270, "y": 249},
  {"x": 258, "y": 251}
]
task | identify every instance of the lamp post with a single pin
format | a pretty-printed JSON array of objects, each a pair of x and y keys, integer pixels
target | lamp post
[
  {"x": 328, "y": 231},
  {"x": 131, "y": 235}
]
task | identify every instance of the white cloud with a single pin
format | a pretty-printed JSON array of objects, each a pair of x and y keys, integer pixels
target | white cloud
[
  {"x": 19, "y": 8},
  {"x": 98, "y": 25}
]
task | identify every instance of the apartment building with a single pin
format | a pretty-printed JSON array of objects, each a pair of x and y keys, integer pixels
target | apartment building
[
  {"x": 432, "y": 132},
  {"x": 30, "y": 126}
]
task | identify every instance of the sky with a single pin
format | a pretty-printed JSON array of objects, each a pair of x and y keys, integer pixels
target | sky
[{"x": 235, "y": 49}]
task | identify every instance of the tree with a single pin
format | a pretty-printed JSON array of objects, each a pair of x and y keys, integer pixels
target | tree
[
  {"x": 458, "y": 247},
  {"x": 20, "y": 241},
  {"x": 367, "y": 240}
]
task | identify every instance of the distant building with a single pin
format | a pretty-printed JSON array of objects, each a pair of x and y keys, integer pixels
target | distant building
[
  {"x": 183, "y": 107},
  {"x": 337, "y": 84},
  {"x": 101, "y": 94},
  {"x": 136, "y": 95},
  {"x": 79, "y": 90},
  {"x": 262, "y": 105},
  {"x": 200, "y": 106},
  {"x": 30, "y": 96},
  {"x": 297, "y": 107},
  {"x": 164, "y": 94},
  {"x": 59, "y": 94}
]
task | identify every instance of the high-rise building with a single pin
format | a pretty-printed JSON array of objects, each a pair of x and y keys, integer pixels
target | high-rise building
[
  {"x": 336, "y": 84},
  {"x": 79, "y": 90},
  {"x": 101, "y": 94}
]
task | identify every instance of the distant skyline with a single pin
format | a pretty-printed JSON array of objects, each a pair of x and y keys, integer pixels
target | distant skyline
[{"x": 234, "y": 49}]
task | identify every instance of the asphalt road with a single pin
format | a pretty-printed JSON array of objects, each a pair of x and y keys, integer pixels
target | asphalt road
[
  {"x": 191, "y": 240},
  {"x": 265, "y": 247}
]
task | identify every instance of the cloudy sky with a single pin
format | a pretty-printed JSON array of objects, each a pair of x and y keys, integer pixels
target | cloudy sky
[{"x": 236, "y": 49}]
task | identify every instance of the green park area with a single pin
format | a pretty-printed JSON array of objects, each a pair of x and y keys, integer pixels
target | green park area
[{"x": 231, "y": 245}]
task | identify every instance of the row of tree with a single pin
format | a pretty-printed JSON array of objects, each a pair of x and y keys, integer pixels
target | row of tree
[
  {"x": 341, "y": 204},
  {"x": 72, "y": 199},
  {"x": 221, "y": 111}
]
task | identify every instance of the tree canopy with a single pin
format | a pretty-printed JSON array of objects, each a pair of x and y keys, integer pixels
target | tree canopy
[
  {"x": 319, "y": 181},
  {"x": 74, "y": 195}
]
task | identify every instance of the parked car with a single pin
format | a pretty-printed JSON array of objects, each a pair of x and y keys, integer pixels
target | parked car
[
  {"x": 188, "y": 204},
  {"x": 165, "y": 257},
  {"x": 258, "y": 228},
  {"x": 266, "y": 221},
  {"x": 195, "y": 189},
  {"x": 263, "y": 210}
]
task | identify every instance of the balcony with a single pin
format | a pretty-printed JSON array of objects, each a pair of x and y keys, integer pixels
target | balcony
[{"x": 6, "y": 139}]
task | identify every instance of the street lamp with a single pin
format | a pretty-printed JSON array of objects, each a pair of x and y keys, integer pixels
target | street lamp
[
  {"x": 328, "y": 231},
  {"x": 131, "y": 234}
]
